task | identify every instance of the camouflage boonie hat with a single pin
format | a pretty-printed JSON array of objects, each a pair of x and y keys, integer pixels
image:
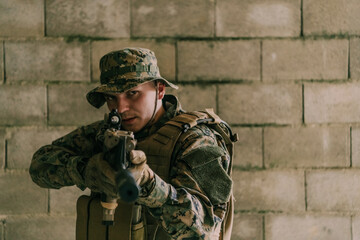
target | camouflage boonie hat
[{"x": 124, "y": 69}]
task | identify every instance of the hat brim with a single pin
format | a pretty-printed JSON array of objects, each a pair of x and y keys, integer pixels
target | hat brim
[{"x": 96, "y": 96}]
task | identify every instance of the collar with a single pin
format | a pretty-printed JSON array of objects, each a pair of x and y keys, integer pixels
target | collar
[{"x": 172, "y": 108}]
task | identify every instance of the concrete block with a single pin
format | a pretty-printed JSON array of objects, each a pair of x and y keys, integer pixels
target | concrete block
[
  {"x": 41, "y": 227},
  {"x": 164, "y": 18},
  {"x": 249, "y": 18},
  {"x": 74, "y": 110},
  {"x": 280, "y": 190},
  {"x": 355, "y": 146},
  {"x": 247, "y": 226},
  {"x": 311, "y": 227},
  {"x": 355, "y": 58},
  {"x": 331, "y": 17},
  {"x": 2, "y": 149},
  {"x": 333, "y": 190},
  {"x": 64, "y": 200},
  {"x": 164, "y": 51},
  {"x": 2, "y": 232},
  {"x": 195, "y": 97},
  {"x": 248, "y": 150},
  {"x": 332, "y": 103},
  {"x": 1, "y": 62},
  {"x": 218, "y": 60},
  {"x": 307, "y": 147},
  {"x": 23, "y": 142},
  {"x": 22, "y": 18},
  {"x": 19, "y": 195},
  {"x": 356, "y": 227},
  {"x": 47, "y": 60},
  {"x": 305, "y": 59},
  {"x": 107, "y": 18},
  {"x": 22, "y": 105},
  {"x": 261, "y": 103}
]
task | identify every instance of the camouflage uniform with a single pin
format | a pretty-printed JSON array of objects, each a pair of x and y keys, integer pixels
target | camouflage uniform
[{"x": 181, "y": 206}]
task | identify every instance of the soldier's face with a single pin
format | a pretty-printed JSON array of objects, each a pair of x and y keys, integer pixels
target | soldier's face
[{"x": 136, "y": 106}]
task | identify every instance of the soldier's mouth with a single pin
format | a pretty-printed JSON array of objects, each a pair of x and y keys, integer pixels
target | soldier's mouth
[{"x": 129, "y": 120}]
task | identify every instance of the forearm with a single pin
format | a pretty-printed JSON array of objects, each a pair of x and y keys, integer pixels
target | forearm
[
  {"x": 54, "y": 167},
  {"x": 182, "y": 213},
  {"x": 60, "y": 164}
]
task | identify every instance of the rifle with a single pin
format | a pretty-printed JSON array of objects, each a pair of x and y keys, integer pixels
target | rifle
[{"x": 119, "y": 160}]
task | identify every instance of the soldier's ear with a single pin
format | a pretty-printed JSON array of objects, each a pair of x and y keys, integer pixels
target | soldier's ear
[{"x": 161, "y": 90}]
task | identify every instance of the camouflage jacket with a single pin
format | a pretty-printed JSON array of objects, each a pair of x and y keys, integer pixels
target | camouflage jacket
[{"x": 181, "y": 206}]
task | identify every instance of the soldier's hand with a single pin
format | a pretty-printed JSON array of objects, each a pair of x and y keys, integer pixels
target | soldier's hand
[
  {"x": 99, "y": 176},
  {"x": 140, "y": 170}
]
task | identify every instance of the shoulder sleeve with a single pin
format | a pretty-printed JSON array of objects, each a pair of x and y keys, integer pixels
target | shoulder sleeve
[
  {"x": 207, "y": 161},
  {"x": 205, "y": 165}
]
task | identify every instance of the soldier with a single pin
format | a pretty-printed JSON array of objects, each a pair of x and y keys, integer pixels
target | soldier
[{"x": 181, "y": 162}]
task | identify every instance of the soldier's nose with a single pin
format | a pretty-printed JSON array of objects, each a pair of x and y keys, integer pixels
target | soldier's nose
[{"x": 122, "y": 105}]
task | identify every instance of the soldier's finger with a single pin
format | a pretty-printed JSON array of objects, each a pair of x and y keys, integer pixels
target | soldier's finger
[{"x": 137, "y": 156}]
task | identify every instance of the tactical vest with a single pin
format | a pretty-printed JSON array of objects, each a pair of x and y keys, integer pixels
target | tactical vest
[{"x": 158, "y": 149}]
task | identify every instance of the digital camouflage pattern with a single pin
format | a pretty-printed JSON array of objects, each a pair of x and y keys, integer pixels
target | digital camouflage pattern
[
  {"x": 180, "y": 206},
  {"x": 124, "y": 69}
]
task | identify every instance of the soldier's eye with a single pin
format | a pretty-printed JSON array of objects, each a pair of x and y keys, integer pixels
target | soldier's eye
[
  {"x": 132, "y": 93},
  {"x": 109, "y": 98}
]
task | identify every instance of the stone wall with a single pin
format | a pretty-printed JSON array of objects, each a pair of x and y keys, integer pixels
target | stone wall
[{"x": 284, "y": 73}]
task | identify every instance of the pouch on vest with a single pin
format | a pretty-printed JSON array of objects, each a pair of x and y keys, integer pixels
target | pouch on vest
[{"x": 89, "y": 222}]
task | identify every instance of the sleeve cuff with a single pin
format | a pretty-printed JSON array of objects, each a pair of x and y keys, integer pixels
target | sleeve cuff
[
  {"x": 158, "y": 196},
  {"x": 72, "y": 168}
]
